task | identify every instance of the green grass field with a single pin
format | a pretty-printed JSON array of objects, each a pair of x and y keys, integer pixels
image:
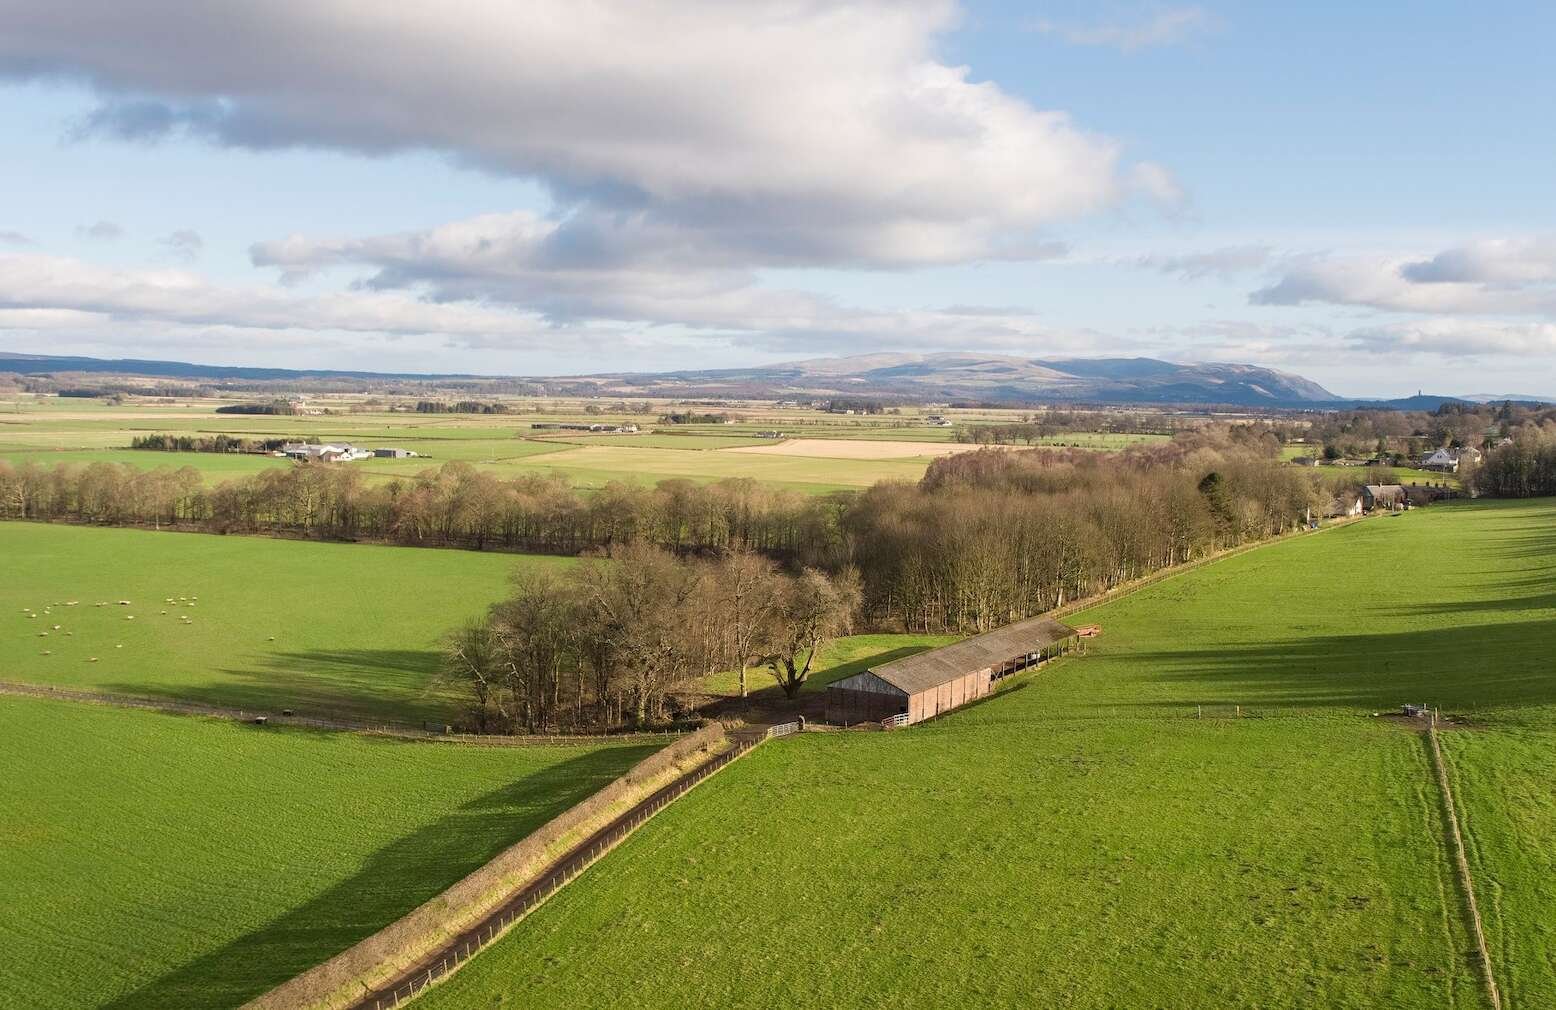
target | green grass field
[
  {"x": 341, "y": 629},
  {"x": 1083, "y": 840},
  {"x": 153, "y": 861}
]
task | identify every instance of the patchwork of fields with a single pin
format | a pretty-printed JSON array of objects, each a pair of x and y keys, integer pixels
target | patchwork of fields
[
  {"x": 329, "y": 629},
  {"x": 1084, "y": 840},
  {"x": 821, "y": 453},
  {"x": 1203, "y": 811},
  {"x": 153, "y": 861}
]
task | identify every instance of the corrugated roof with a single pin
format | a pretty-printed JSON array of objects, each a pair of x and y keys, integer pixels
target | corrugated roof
[{"x": 947, "y": 663}]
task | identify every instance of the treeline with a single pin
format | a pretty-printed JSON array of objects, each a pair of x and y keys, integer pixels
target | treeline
[
  {"x": 279, "y": 407},
  {"x": 984, "y": 538},
  {"x": 612, "y": 641},
  {"x": 990, "y": 537},
  {"x": 203, "y": 443},
  {"x": 692, "y": 417},
  {"x": 461, "y": 407},
  {"x": 1524, "y": 468},
  {"x": 455, "y": 505}
]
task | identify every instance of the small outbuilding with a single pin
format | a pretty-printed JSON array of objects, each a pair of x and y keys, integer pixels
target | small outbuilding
[{"x": 921, "y": 687}]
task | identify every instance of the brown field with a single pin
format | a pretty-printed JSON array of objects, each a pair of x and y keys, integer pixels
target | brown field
[{"x": 848, "y": 448}]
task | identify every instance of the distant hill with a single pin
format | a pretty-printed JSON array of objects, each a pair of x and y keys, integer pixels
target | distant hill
[
  {"x": 949, "y": 376},
  {"x": 42, "y": 364},
  {"x": 992, "y": 378}
]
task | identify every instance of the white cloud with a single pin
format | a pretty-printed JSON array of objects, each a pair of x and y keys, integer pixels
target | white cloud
[
  {"x": 1491, "y": 261},
  {"x": 54, "y": 294},
  {"x": 183, "y": 244},
  {"x": 776, "y": 132},
  {"x": 1457, "y": 338},
  {"x": 1495, "y": 278},
  {"x": 1146, "y": 28},
  {"x": 103, "y": 231},
  {"x": 1222, "y": 262}
]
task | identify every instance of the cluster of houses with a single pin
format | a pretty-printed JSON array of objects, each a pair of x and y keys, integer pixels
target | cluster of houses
[
  {"x": 937, "y": 420},
  {"x": 337, "y": 452},
  {"x": 1449, "y": 460}
]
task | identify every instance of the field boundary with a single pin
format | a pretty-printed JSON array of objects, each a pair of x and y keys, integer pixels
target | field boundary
[
  {"x": 1462, "y": 867},
  {"x": 387, "y": 968},
  {"x": 401, "y": 731}
]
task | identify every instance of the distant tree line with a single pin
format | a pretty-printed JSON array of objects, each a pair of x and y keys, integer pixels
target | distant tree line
[
  {"x": 461, "y": 407},
  {"x": 203, "y": 443},
  {"x": 613, "y": 641},
  {"x": 692, "y": 417},
  {"x": 281, "y": 407}
]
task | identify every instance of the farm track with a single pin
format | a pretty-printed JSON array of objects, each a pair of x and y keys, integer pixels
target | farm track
[
  {"x": 447, "y": 959},
  {"x": 396, "y": 730}
]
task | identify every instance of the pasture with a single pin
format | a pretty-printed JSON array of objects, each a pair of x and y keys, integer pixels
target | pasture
[
  {"x": 335, "y": 629},
  {"x": 1084, "y": 839},
  {"x": 153, "y": 861}
]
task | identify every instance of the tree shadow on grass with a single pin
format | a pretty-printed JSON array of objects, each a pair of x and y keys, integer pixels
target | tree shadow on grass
[
  {"x": 396, "y": 685},
  {"x": 1462, "y": 668},
  {"x": 391, "y": 882}
]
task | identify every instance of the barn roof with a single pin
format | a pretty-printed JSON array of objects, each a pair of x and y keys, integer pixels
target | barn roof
[{"x": 945, "y": 664}]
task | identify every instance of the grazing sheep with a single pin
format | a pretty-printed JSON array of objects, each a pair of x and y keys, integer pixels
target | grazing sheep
[
  {"x": 56, "y": 627},
  {"x": 47, "y": 652},
  {"x": 129, "y": 617},
  {"x": 124, "y": 603},
  {"x": 43, "y": 634},
  {"x": 92, "y": 660},
  {"x": 118, "y": 647}
]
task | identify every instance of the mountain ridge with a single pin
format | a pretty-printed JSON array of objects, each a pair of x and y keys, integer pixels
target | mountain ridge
[{"x": 928, "y": 377}]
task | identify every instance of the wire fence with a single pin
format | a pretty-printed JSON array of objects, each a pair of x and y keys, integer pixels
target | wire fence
[{"x": 570, "y": 865}]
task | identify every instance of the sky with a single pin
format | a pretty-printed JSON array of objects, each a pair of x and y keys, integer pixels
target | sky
[{"x": 1358, "y": 193}]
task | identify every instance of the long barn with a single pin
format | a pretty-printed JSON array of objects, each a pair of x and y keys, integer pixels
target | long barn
[{"x": 923, "y": 686}]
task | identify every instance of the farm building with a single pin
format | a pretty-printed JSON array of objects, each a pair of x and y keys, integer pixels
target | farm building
[
  {"x": 923, "y": 686},
  {"x": 1384, "y": 496},
  {"x": 390, "y": 453}
]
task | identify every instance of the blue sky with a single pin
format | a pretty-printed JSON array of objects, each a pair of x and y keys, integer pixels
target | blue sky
[{"x": 1358, "y": 193}]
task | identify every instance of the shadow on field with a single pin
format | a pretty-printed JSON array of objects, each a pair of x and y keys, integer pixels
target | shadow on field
[
  {"x": 358, "y": 684},
  {"x": 391, "y": 882},
  {"x": 1462, "y": 668}
]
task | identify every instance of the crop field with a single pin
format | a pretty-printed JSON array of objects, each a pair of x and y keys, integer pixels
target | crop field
[
  {"x": 154, "y": 861},
  {"x": 1084, "y": 839},
  {"x": 340, "y": 629}
]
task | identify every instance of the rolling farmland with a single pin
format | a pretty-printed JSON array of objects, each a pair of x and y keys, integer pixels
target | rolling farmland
[
  {"x": 1085, "y": 839},
  {"x": 162, "y": 861},
  {"x": 820, "y": 453},
  {"x": 341, "y": 629}
]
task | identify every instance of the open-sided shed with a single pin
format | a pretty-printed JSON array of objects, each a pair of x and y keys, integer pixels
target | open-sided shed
[{"x": 923, "y": 686}]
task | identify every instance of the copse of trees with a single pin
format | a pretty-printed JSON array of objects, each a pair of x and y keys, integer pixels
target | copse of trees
[
  {"x": 280, "y": 407},
  {"x": 991, "y": 537},
  {"x": 202, "y": 443},
  {"x": 461, "y": 407},
  {"x": 1524, "y": 468},
  {"x": 613, "y": 641}
]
